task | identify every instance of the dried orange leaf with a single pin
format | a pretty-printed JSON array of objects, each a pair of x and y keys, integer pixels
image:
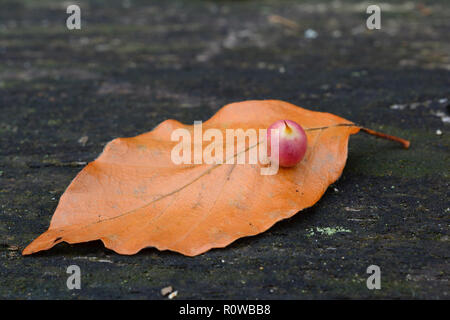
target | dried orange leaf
[{"x": 133, "y": 196}]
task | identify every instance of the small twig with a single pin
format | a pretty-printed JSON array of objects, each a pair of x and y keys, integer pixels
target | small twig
[
  {"x": 57, "y": 164},
  {"x": 276, "y": 19},
  {"x": 9, "y": 247}
]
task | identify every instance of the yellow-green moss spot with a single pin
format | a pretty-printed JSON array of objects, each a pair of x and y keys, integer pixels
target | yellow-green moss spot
[{"x": 329, "y": 231}]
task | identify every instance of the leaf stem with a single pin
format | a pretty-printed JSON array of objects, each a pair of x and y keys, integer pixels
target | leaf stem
[{"x": 403, "y": 142}]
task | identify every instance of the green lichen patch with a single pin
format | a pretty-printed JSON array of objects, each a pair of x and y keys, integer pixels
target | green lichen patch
[{"x": 328, "y": 231}]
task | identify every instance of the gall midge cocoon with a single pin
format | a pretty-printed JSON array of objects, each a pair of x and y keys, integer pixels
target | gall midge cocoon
[{"x": 292, "y": 142}]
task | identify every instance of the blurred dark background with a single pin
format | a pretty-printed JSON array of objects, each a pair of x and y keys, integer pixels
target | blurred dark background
[{"x": 65, "y": 93}]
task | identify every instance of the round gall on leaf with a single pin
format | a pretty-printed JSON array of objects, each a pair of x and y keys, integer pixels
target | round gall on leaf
[{"x": 292, "y": 142}]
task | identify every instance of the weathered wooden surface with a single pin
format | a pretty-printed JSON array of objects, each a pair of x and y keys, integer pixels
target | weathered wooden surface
[{"x": 137, "y": 63}]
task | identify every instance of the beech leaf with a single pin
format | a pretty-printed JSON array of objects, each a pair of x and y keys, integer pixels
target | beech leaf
[{"x": 134, "y": 196}]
